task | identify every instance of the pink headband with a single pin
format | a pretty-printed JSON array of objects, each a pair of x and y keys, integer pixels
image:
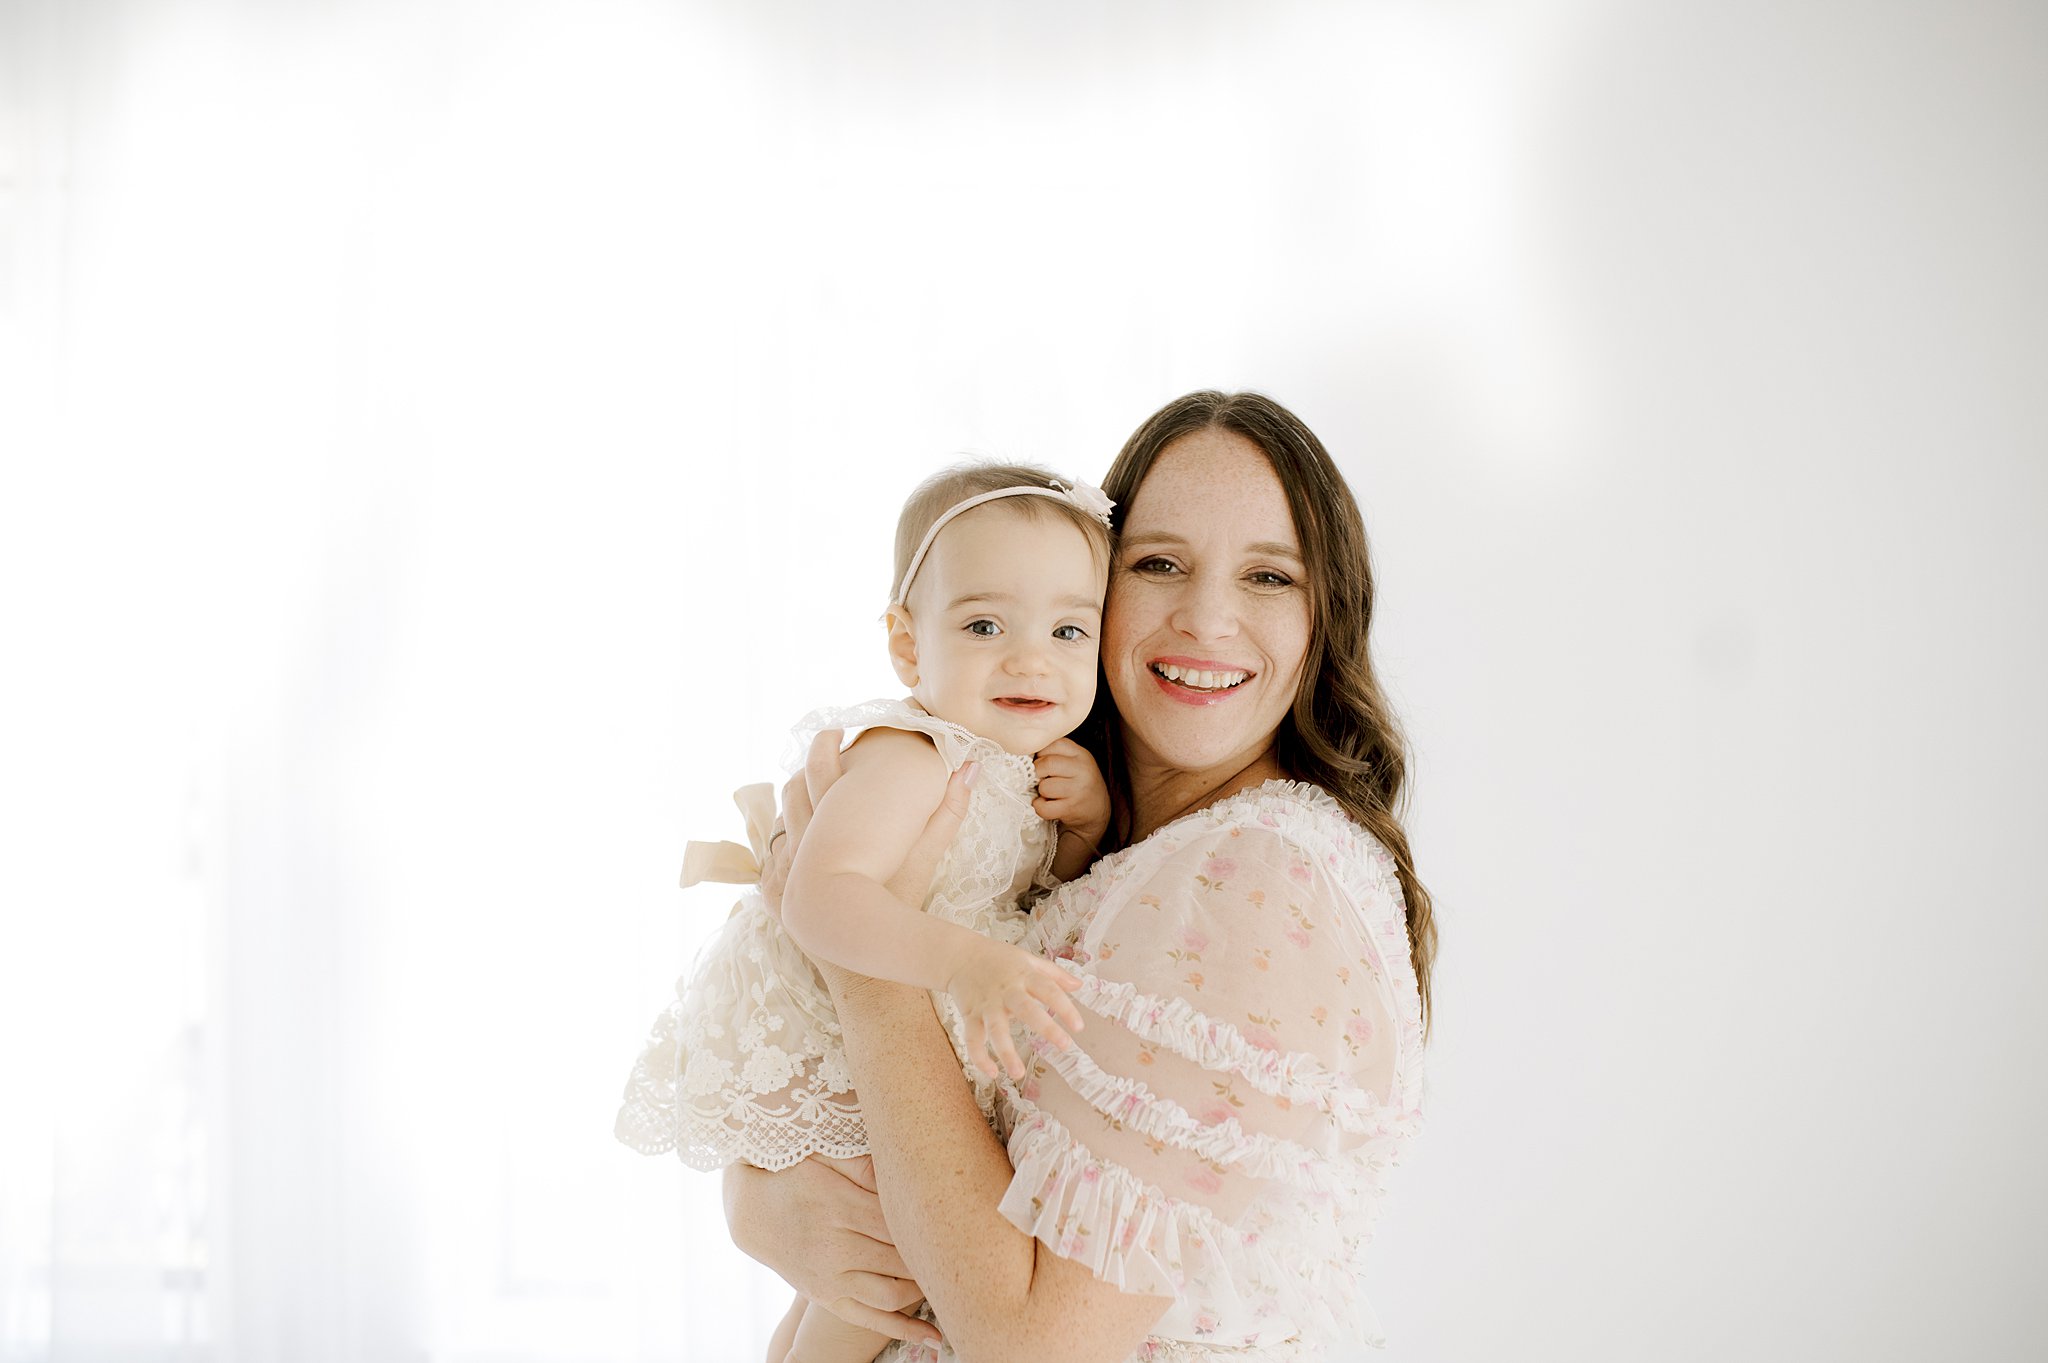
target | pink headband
[{"x": 1083, "y": 495}]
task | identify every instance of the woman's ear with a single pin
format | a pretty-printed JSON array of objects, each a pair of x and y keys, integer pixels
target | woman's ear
[{"x": 902, "y": 644}]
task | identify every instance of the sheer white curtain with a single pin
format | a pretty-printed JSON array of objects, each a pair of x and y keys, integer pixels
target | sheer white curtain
[
  {"x": 446, "y": 444},
  {"x": 470, "y": 435}
]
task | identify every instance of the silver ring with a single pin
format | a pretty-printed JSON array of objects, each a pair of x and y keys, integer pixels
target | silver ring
[{"x": 780, "y": 832}]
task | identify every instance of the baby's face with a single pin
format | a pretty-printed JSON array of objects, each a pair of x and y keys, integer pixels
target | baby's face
[{"x": 1006, "y": 615}]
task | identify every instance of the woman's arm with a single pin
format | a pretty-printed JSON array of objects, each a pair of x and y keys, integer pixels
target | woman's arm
[
  {"x": 819, "y": 1225},
  {"x": 940, "y": 1170},
  {"x": 999, "y": 1293}
]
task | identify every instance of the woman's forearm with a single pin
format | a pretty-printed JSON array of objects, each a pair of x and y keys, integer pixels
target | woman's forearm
[{"x": 998, "y": 1294}]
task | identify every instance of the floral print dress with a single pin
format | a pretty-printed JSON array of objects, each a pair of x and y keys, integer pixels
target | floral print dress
[{"x": 1221, "y": 1132}]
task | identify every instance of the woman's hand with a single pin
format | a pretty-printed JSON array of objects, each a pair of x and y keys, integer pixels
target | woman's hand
[{"x": 819, "y": 1225}]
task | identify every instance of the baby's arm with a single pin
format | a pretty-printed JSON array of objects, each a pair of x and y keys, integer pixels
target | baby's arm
[
  {"x": 1072, "y": 793},
  {"x": 837, "y": 906}
]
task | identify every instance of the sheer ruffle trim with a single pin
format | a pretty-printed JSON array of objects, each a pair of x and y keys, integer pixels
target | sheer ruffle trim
[
  {"x": 1308, "y": 816},
  {"x": 1131, "y": 1103},
  {"x": 1138, "y": 1239},
  {"x": 1193, "y": 1035}
]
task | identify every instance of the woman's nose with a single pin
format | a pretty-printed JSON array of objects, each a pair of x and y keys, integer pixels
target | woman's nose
[{"x": 1206, "y": 609}]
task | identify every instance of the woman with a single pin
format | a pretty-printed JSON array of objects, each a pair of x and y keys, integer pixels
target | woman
[{"x": 1199, "y": 1175}]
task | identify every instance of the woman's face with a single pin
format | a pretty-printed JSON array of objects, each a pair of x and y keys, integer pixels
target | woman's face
[{"x": 1207, "y": 620}]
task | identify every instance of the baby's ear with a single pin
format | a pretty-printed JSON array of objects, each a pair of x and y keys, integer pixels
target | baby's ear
[{"x": 902, "y": 644}]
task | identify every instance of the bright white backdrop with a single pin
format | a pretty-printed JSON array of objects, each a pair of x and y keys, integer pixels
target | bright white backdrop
[{"x": 446, "y": 443}]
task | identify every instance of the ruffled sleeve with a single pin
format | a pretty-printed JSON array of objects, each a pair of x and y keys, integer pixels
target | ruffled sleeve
[{"x": 1249, "y": 1071}]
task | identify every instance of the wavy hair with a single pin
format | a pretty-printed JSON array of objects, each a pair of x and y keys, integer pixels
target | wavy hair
[{"x": 1340, "y": 733}]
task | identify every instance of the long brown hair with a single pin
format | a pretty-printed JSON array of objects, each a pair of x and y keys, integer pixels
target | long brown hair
[{"x": 1341, "y": 733}]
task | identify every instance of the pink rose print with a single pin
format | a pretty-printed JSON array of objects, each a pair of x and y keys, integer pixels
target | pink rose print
[
  {"x": 1219, "y": 868},
  {"x": 1206, "y": 1322},
  {"x": 1300, "y": 873},
  {"x": 1193, "y": 940},
  {"x": 1256, "y": 898},
  {"x": 1319, "y": 1015},
  {"x": 1359, "y": 1030},
  {"x": 1091, "y": 1173},
  {"x": 1070, "y": 1246},
  {"x": 1297, "y": 936},
  {"x": 1262, "y": 1039},
  {"x": 1215, "y": 1114},
  {"x": 1130, "y": 1235},
  {"x": 1204, "y": 1181},
  {"x": 1029, "y": 1088}
]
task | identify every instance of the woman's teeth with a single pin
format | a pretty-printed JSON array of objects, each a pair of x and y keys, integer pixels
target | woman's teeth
[{"x": 1200, "y": 681}]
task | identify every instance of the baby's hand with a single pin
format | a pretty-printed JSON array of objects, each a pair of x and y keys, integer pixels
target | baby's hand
[
  {"x": 996, "y": 985},
  {"x": 1071, "y": 790}
]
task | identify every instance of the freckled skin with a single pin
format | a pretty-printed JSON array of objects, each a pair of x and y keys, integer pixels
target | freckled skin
[{"x": 1192, "y": 581}]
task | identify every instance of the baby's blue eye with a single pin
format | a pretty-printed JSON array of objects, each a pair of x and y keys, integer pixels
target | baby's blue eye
[
  {"x": 983, "y": 629},
  {"x": 1072, "y": 634}
]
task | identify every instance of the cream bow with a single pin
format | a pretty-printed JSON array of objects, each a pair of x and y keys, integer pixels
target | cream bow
[{"x": 728, "y": 863}]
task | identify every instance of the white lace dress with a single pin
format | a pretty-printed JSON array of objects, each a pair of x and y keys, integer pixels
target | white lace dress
[
  {"x": 746, "y": 1063},
  {"x": 1252, "y": 1067}
]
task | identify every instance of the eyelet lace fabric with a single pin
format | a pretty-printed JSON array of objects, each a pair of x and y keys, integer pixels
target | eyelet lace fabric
[
  {"x": 1222, "y": 1132},
  {"x": 746, "y": 1063}
]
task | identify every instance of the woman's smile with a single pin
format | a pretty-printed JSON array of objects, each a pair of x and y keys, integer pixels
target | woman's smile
[
  {"x": 1194, "y": 681},
  {"x": 1207, "y": 625}
]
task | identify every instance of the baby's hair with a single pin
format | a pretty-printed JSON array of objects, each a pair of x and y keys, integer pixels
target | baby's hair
[{"x": 947, "y": 488}]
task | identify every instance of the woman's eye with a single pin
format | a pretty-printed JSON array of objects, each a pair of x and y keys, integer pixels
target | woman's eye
[
  {"x": 1266, "y": 577},
  {"x": 1155, "y": 565},
  {"x": 1072, "y": 634},
  {"x": 985, "y": 629}
]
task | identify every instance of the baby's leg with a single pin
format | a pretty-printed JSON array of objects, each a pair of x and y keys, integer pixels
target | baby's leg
[
  {"x": 822, "y": 1337},
  {"x": 785, "y": 1330}
]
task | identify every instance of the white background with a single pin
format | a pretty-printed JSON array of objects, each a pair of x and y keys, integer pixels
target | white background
[{"x": 446, "y": 444}]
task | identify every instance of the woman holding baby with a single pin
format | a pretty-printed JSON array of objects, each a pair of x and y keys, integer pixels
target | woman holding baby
[{"x": 1197, "y": 1175}]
